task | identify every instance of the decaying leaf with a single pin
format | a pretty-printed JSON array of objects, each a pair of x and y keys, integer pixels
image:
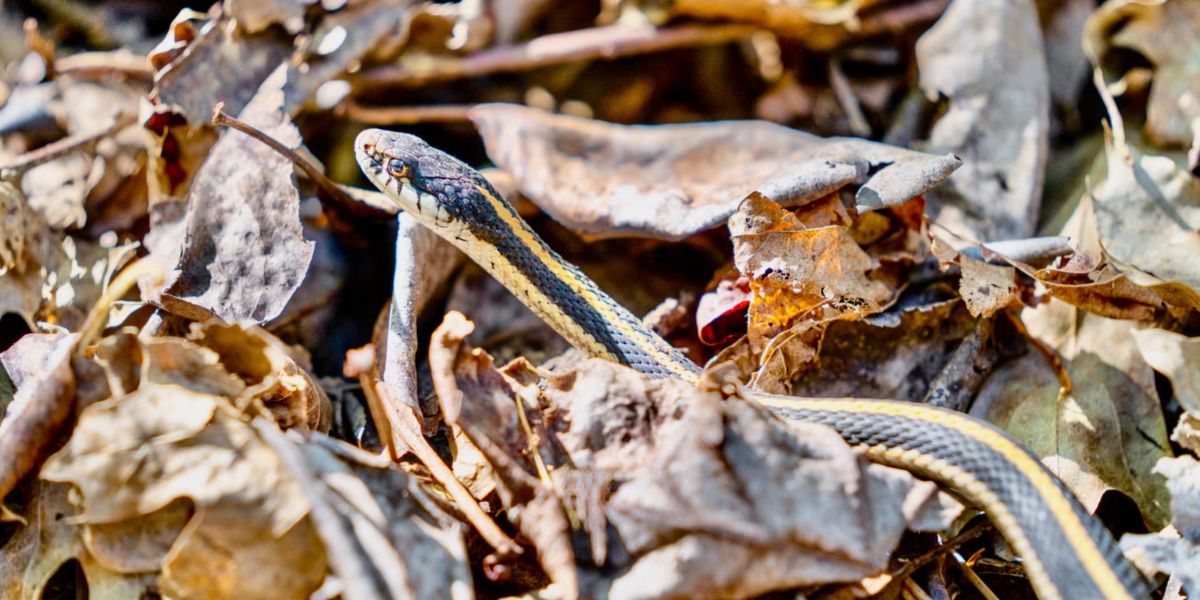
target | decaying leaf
[
  {"x": 985, "y": 58},
  {"x": 244, "y": 254},
  {"x": 1176, "y": 549},
  {"x": 1148, "y": 215},
  {"x": 987, "y": 289},
  {"x": 671, "y": 181},
  {"x": 1108, "y": 431}
]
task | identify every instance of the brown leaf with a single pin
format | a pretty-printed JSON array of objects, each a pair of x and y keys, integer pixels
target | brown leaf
[
  {"x": 986, "y": 58},
  {"x": 244, "y": 254},
  {"x": 249, "y": 525},
  {"x": 671, "y": 181},
  {"x": 41, "y": 406}
]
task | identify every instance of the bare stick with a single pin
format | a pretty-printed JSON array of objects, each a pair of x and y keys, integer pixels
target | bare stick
[
  {"x": 607, "y": 43},
  {"x": 72, "y": 143},
  {"x": 404, "y": 115}
]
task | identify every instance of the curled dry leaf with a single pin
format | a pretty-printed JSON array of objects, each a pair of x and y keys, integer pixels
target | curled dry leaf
[
  {"x": 244, "y": 253},
  {"x": 985, "y": 57},
  {"x": 181, "y": 428},
  {"x": 43, "y": 403},
  {"x": 384, "y": 535},
  {"x": 671, "y": 181},
  {"x": 1176, "y": 549},
  {"x": 1164, "y": 33},
  {"x": 1108, "y": 432},
  {"x": 985, "y": 288}
]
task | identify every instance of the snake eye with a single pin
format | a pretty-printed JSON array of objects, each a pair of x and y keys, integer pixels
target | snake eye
[{"x": 396, "y": 168}]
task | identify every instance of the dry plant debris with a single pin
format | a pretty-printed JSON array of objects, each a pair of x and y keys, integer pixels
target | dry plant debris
[{"x": 228, "y": 369}]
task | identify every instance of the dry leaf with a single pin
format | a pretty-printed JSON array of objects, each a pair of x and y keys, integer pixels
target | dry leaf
[
  {"x": 223, "y": 64},
  {"x": 1148, "y": 215},
  {"x": 249, "y": 525},
  {"x": 1165, "y": 34},
  {"x": 254, "y": 16},
  {"x": 987, "y": 289},
  {"x": 1108, "y": 432},
  {"x": 47, "y": 540},
  {"x": 1176, "y": 549},
  {"x": 384, "y": 535},
  {"x": 1177, "y": 357},
  {"x": 985, "y": 57},
  {"x": 671, "y": 181},
  {"x": 244, "y": 253}
]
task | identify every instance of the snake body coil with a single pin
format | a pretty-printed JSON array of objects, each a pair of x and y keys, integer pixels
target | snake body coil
[{"x": 1066, "y": 553}]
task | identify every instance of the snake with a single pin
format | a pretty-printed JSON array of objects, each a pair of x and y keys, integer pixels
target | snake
[{"x": 1066, "y": 552}]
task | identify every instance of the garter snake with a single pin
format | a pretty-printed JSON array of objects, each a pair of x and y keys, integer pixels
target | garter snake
[{"x": 1066, "y": 553}]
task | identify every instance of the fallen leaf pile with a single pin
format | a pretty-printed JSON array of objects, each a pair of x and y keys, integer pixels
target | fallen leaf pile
[{"x": 230, "y": 368}]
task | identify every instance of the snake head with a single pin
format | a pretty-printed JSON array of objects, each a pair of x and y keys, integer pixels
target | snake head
[{"x": 423, "y": 180}]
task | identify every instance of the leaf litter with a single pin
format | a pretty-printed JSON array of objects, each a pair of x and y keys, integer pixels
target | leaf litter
[{"x": 184, "y": 412}]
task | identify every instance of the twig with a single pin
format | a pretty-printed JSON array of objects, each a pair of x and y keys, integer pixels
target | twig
[
  {"x": 67, "y": 145},
  {"x": 912, "y": 565},
  {"x": 980, "y": 586},
  {"x": 606, "y": 43},
  {"x": 122, "y": 283},
  {"x": 92, "y": 66},
  {"x": 333, "y": 191},
  {"x": 846, "y": 98},
  {"x": 962, "y": 375},
  {"x": 911, "y": 590},
  {"x": 409, "y": 433},
  {"x": 403, "y": 115}
]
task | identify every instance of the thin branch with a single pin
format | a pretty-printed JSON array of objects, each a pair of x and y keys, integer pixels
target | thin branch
[
  {"x": 605, "y": 43},
  {"x": 334, "y": 192},
  {"x": 403, "y": 115},
  {"x": 72, "y": 143}
]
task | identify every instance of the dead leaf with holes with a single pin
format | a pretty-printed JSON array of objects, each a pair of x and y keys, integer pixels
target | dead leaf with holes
[
  {"x": 49, "y": 538},
  {"x": 244, "y": 253},
  {"x": 247, "y": 526}
]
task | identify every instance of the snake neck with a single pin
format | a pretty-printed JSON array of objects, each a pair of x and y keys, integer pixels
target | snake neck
[{"x": 501, "y": 242}]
